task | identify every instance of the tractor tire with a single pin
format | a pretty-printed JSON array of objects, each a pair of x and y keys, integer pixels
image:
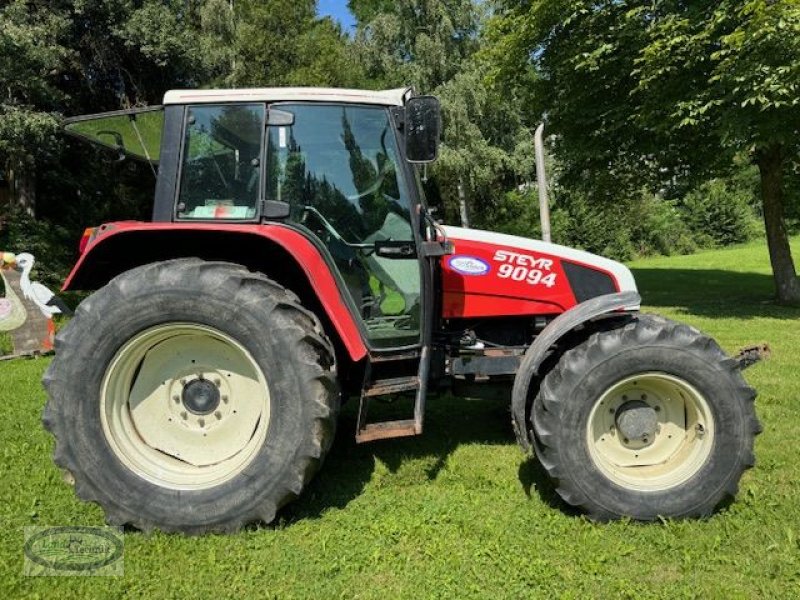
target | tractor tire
[
  {"x": 191, "y": 396},
  {"x": 648, "y": 420}
]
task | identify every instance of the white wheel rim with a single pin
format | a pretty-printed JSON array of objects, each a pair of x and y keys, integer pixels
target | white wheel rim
[
  {"x": 659, "y": 457},
  {"x": 184, "y": 406}
]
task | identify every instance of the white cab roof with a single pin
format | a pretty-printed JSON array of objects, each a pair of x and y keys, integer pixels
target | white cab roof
[{"x": 299, "y": 94}]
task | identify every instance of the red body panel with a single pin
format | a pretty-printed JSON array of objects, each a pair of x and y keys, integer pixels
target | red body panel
[
  {"x": 303, "y": 251},
  {"x": 488, "y": 279}
]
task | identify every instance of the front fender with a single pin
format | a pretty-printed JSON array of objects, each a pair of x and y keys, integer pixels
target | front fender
[
  {"x": 276, "y": 250},
  {"x": 555, "y": 330}
]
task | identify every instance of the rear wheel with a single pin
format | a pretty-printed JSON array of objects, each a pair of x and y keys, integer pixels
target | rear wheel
[
  {"x": 650, "y": 419},
  {"x": 191, "y": 396}
]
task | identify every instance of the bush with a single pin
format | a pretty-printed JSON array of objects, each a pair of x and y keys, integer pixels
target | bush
[
  {"x": 516, "y": 213},
  {"x": 720, "y": 214},
  {"x": 639, "y": 225},
  {"x": 598, "y": 227},
  {"x": 660, "y": 228},
  {"x": 52, "y": 246}
]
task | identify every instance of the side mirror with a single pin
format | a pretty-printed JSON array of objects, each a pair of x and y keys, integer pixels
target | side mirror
[{"x": 423, "y": 126}]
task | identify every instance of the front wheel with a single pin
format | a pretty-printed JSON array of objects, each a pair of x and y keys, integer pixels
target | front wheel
[
  {"x": 648, "y": 420},
  {"x": 191, "y": 396}
]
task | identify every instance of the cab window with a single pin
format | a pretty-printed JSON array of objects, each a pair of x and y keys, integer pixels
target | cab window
[{"x": 221, "y": 164}]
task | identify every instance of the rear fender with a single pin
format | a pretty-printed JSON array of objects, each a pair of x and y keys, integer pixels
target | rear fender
[
  {"x": 550, "y": 335},
  {"x": 280, "y": 252}
]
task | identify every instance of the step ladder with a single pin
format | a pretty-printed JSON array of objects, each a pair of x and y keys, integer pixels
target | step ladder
[{"x": 376, "y": 388}]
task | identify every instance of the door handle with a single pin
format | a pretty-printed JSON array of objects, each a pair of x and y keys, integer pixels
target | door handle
[{"x": 393, "y": 249}]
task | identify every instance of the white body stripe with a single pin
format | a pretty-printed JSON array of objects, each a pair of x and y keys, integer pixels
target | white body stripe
[
  {"x": 395, "y": 97},
  {"x": 620, "y": 272}
]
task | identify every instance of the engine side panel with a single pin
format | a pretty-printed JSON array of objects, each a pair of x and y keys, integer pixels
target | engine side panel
[{"x": 493, "y": 274}]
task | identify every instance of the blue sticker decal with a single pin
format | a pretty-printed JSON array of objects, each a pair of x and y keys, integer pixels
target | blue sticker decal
[{"x": 469, "y": 265}]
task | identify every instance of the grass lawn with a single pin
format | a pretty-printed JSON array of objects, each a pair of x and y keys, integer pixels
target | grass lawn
[{"x": 460, "y": 512}]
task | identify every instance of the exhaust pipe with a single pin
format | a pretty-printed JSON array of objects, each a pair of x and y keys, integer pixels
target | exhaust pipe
[{"x": 541, "y": 181}]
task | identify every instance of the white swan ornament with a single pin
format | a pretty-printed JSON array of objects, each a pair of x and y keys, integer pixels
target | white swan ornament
[{"x": 42, "y": 297}]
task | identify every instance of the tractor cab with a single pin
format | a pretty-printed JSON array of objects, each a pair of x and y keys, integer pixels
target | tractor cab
[
  {"x": 339, "y": 169},
  {"x": 337, "y": 166}
]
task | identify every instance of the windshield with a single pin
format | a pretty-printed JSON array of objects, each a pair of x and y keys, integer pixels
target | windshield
[{"x": 136, "y": 133}]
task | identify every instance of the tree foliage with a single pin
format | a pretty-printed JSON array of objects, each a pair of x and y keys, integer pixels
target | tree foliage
[
  {"x": 664, "y": 93},
  {"x": 646, "y": 102},
  {"x": 282, "y": 42},
  {"x": 433, "y": 45}
]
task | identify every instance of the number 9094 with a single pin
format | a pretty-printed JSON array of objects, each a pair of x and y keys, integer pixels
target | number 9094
[{"x": 530, "y": 276}]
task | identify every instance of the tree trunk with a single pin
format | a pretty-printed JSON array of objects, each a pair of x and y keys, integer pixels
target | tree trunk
[
  {"x": 770, "y": 166},
  {"x": 462, "y": 204},
  {"x": 22, "y": 187}
]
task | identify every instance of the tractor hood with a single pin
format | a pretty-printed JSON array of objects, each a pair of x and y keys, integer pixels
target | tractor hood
[{"x": 493, "y": 274}]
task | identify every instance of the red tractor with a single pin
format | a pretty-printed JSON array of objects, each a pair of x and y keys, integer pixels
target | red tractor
[{"x": 291, "y": 261}]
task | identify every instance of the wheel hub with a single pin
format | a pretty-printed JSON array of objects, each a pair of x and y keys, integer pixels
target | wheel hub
[
  {"x": 644, "y": 432},
  {"x": 636, "y": 420},
  {"x": 200, "y": 397},
  {"x": 185, "y": 406}
]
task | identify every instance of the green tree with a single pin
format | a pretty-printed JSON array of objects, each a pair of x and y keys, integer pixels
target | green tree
[
  {"x": 418, "y": 42},
  {"x": 366, "y": 10},
  {"x": 33, "y": 58},
  {"x": 65, "y": 57},
  {"x": 283, "y": 42},
  {"x": 665, "y": 92},
  {"x": 432, "y": 45}
]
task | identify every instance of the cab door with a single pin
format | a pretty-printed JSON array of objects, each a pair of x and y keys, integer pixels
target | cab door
[{"x": 339, "y": 169}]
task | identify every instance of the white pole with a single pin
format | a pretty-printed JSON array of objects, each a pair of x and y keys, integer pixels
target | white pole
[
  {"x": 541, "y": 181},
  {"x": 462, "y": 204}
]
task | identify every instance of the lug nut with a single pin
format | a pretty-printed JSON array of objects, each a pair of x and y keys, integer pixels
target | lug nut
[
  {"x": 657, "y": 408},
  {"x": 644, "y": 396},
  {"x": 201, "y": 422},
  {"x": 700, "y": 429},
  {"x": 183, "y": 381},
  {"x": 176, "y": 398},
  {"x": 225, "y": 399},
  {"x": 217, "y": 382},
  {"x": 184, "y": 415},
  {"x": 218, "y": 415}
]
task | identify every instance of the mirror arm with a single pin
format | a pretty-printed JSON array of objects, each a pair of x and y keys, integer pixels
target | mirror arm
[{"x": 399, "y": 116}]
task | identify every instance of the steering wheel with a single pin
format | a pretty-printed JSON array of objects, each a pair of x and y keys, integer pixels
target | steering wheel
[
  {"x": 381, "y": 176},
  {"x": 310, "y": 210}
]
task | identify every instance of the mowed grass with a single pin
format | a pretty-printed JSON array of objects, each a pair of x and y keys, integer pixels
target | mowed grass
[{"x": 460, "y": 512}]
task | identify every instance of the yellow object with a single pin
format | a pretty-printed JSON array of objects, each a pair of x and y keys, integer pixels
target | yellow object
[{"x": 8, "y": 258}]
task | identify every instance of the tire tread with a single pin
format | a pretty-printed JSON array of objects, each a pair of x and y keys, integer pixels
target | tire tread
[{"x": 318, "y": 372}]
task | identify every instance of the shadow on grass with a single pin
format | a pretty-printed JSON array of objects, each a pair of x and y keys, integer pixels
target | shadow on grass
[
  {"x": 449, "y": 423},
  {"x": 712, "y": 293}
]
